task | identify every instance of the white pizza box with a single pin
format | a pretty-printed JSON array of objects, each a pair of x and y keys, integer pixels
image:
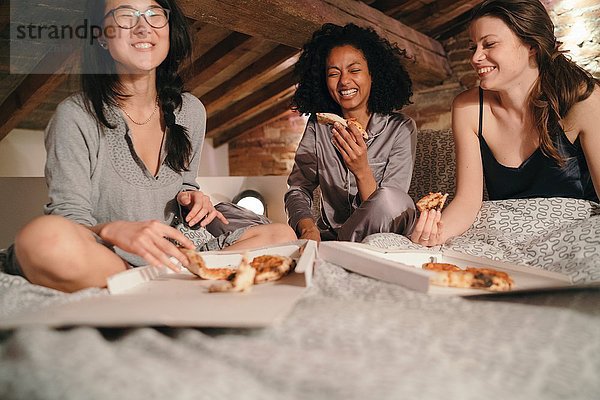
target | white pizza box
[
  {"x": 403, "y": 267},
  {"x": 149, "y": 296}
]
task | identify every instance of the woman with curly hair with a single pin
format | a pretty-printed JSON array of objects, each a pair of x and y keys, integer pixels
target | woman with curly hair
[
  {"x": 123, "y": 158},
  {"x": 530, "y": 128},
  {"x": 355, "y": 73}
]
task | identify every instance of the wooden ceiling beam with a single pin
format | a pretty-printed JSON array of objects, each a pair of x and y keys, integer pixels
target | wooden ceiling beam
[
  {"x": 216, "y": 59},
  {"x": 271, "y": 113},
  {"x": 292, "y": 22},
  {"x": 392, "y": 7},
  {"x": 249, "y": 105},
  {"x": 280, "y": 59},
  {"x": 426, "y": 18},
  {"x": 34, "y": 90}
]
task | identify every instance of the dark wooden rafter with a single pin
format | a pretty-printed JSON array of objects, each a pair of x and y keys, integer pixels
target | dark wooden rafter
[
  {"x": 218, "y": 57},
  {"x": 292, "y": 22},
  {"x": 204, "y": 36},
  {"x": 452, "y": 27},
  {"x": 4, "y": 17},
  {"x": 429, "y": 18},
  {"x": 239, "y": 110},
  {"x": 393, "y": 7},
  {"x": 250, "y": 79},
  {"x": 269, "y": 113},
  {"x": 34, "y": 90}
]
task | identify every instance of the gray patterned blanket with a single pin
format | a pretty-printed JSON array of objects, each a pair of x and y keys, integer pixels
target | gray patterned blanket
[
  {"x": 559, "y": 235},
  {"x": 350, "y": 337}
]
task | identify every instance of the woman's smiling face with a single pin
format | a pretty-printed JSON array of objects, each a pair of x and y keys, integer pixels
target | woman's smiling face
[
  {"x": 499, "y": 57},
  {"x": 140, "y": 49},
  {"x": 348, "y": 78}
]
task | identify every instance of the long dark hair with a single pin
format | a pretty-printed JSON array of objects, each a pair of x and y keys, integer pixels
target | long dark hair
[
  {"x": 391, "y": 87},
  {"x": 102, "y": 87},
  {"x": 561, "y": 82}
]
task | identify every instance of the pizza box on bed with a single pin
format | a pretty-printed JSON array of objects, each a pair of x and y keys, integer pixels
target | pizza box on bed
[
  {"x": 149, "y": 296},
  {"x": 403, "y": 267}
]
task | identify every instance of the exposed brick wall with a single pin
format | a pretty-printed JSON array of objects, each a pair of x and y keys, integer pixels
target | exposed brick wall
[
  {"x": 431, "y": 107},
  {"x": 576, "y": 23},
  {"x": 269, "y": 150}
]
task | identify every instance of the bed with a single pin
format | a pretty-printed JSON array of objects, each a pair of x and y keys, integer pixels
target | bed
[{"x": 350, "y": 336}]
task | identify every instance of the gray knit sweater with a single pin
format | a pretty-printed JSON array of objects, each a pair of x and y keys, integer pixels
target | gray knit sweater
[{"x": 95, "y": 176}]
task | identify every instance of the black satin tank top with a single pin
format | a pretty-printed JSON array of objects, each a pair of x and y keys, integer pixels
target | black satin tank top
[{"x": 539, "y": 175}]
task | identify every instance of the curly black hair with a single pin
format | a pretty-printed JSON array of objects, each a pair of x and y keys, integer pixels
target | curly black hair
[{"x": 391, "y": 86}]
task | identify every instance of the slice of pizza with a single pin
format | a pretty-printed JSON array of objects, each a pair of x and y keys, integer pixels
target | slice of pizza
[
  {"x": 198, "y": 267},
  {"x": 265, "y": 268},
  {"x": 432, "y": 201},
  {"x": 271, "y": 267},
  {"x": 330, "y": 119},
  {"x": 450, "y": 275},
  {"x": 242, "y": 281}
]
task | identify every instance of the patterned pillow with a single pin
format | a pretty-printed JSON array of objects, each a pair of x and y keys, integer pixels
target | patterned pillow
[{"x": 435, "y": 164}]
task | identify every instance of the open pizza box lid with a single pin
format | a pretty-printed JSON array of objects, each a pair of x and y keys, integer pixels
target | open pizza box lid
[
  {"x": 403, "y": 267},
  {"x": 149, "y": 296}
]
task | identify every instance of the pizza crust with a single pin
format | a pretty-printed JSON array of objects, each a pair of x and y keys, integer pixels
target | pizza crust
[
  {"x": 330, "y": 119},
  {"x": 265, "y": 268},
  {"x": 271, "y": 267},
  {"x": 199, "y": 268},
  {"x": 432, "y": 201},
  {"x": 450, "y": 275},
  {"x": 241, "y": 282}
]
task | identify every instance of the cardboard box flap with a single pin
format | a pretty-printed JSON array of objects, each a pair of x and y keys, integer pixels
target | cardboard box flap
[
  {"x": 403, "y": 267},
  {"x": 149, "y": 296}
]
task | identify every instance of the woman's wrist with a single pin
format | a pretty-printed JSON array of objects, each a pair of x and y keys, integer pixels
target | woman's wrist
[
  {"x": 306, "y": 225},
  {"x": 102, "y": 230},
  {"x": 364, "y": 174}
]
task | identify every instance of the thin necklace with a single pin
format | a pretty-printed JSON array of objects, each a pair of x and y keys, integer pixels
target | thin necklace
[{"x": 146, "y": 121}]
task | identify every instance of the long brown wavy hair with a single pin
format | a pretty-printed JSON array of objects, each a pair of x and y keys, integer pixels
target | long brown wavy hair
[{"x": 561, "y": 82}]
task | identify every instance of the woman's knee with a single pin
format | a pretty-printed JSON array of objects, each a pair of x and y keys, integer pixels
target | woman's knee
[
  {"x": 284, "y": 232},
  {"x": 48, "y": 245},
  {"x": 274, "y": 233}
]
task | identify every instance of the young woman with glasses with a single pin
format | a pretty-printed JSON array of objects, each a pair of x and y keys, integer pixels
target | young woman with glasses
[{"x": 123, "y": 156}]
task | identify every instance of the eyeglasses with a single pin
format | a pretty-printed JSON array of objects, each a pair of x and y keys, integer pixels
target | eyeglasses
[{"x": 127, "y": 17}]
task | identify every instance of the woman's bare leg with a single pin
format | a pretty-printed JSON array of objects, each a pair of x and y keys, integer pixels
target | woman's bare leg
[
  {"x": 264, "y": 235},
  {"x": 58, "y": 253}
]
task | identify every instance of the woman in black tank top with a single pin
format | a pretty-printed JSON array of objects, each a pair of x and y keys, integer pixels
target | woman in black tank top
[{"x": 529, "y": 128}]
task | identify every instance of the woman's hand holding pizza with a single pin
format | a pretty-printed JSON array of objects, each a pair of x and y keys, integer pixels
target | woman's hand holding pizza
[
  {"x": 201, "y": 209},
  {"x": 351, "y": 145},
  {"x": 428, "y": 229}
]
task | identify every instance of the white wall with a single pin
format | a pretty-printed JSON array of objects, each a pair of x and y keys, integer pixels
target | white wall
[
  {"x": 22, "y": 153},
  {"x": 214, "y": 161}
]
